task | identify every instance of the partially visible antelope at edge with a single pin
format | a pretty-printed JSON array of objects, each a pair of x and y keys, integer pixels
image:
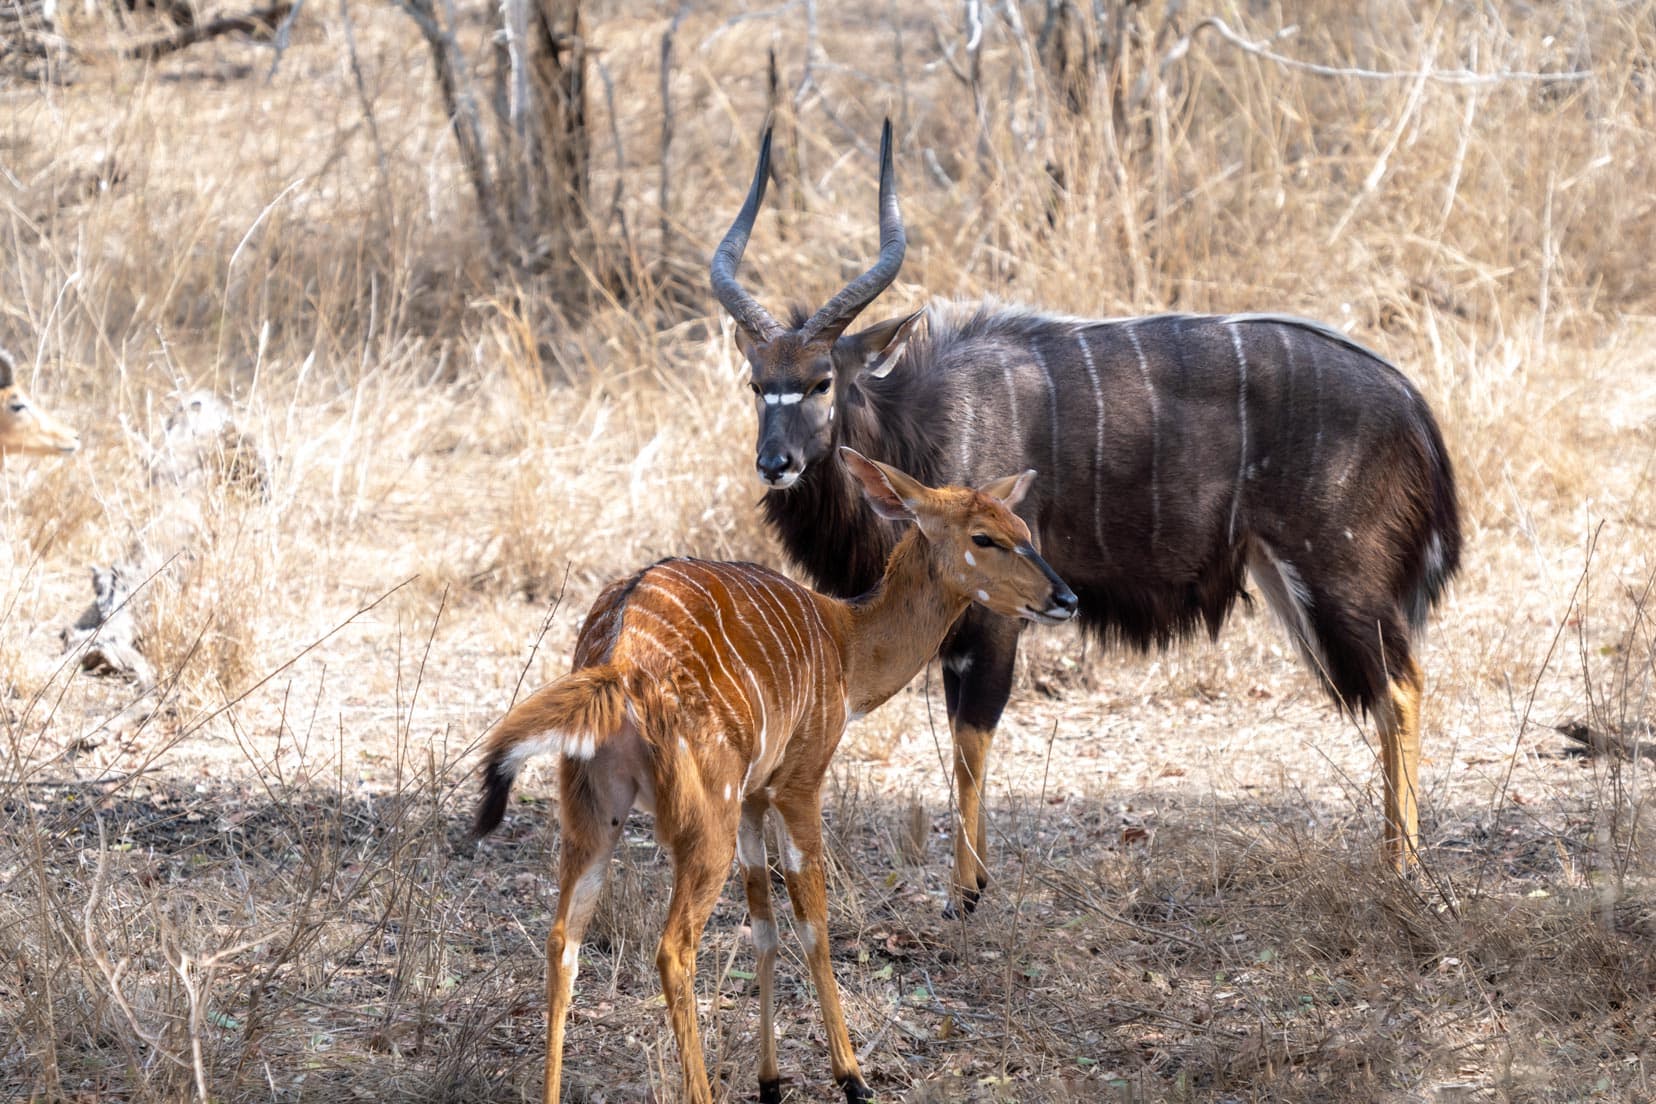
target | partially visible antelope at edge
[
  {"x": 25, "y": 429},
  {"x": 1178, "y": 452},
  {"x": 710, "y": 694}
]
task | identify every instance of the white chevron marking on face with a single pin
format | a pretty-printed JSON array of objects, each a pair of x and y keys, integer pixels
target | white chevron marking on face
[{"x": 778, "y": 398}]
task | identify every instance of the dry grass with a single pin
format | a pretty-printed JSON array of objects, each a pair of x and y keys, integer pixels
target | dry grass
[{"x": 262, "y": 892}]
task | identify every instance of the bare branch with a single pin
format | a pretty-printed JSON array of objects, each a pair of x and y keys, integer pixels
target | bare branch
[
  {"x": 259, "y": 20},
  {"x": 1439, "y": 76},
  {"x": 667, "y": 38}
]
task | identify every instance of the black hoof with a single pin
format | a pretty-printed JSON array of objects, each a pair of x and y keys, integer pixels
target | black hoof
[
  {"x": 855, "y": 1091},
  {"x": 770, "y": 1092},
  {"x": 965, "y": 907}
]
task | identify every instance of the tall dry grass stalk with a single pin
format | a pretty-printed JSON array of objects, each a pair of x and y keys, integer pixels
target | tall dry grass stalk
[{"x": 257, "y": 893}]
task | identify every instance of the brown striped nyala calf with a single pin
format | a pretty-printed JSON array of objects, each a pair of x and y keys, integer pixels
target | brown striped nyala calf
[
  {"x": 1179, "y": 452},
  {"x": 710, "y": 694},
  {"x": 25, "y": 429}
]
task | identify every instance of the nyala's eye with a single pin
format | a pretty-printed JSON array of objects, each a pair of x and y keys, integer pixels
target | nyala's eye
[
  {"x": 822, "y": 386},
  {"x": 18, "y": 406},
  {"x": 983, "y": 540},
  {"x": 754, "y": 387}
]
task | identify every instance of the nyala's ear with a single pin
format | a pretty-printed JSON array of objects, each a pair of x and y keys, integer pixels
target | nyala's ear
[
  {"x": 1010, "y": 489},
  {"x": 876, "y": 350},
  {"x": 893, "y": 495},
  {"x": 747, "y": 343}
]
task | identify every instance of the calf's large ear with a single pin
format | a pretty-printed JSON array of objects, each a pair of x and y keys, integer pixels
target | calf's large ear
[
  {"x": 876, "y": 350},
  {"x": 893, "y": 495},
  {"x": 1010, "y": 489}
]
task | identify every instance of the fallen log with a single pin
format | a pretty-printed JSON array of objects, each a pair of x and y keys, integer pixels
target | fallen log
[
  {"x": 1597, "y": 742},
  {"x": 263, "y": 20}
]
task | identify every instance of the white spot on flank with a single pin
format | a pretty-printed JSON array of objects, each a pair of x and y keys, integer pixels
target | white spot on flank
[
  {"x": 1348, "y": 534},
  {"x": 684, "y": 747},
  {"x": 971, "y": 560},
  {"x": 727, "y": 791},
  {"x": 983, "y": 595}
]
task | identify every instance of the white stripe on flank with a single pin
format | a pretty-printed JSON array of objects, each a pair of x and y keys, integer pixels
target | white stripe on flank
[
  {"x": 689, "y": 580},
  {"x": 763, "y": 728},
  {"x": 1155, "y": 438},
  {"x": 1098, "y": 446},
  {"x": 755, "y": 591},
  {"x": 712, "y": 645},
  {"x": 801, "y": 673},
  {"x": 1286, "y": 333},
  {"x": 707, "y": 681},
  {"x": 1052, "y": 416},
  {"x": 1242, "y": 419},
  {"x": 1011, "y": 396},
  {"x": 820, "y": 641}
]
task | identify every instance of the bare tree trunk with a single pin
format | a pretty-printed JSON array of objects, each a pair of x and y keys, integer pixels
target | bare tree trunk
[
  {"x": 563, "y": 145},
  {"x": 528, "y": 164}
]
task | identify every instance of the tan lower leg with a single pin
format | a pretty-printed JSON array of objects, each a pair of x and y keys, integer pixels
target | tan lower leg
[
  {"x": 676, "y": 963},
  {"x": 700, "y": 867},
  {"x": 582, "y": 879},
  {"x": 1400, "y": 762},
  {"x": 750, "y": 854},
  {"x": 808, "y": 891},
  {"x": 971, "y": 759}
]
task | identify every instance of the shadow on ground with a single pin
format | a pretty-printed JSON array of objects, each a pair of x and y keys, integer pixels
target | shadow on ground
[{"x": 308, "y": 941}]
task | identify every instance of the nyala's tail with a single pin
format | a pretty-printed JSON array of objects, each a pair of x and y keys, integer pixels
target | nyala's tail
[{"x": 575, "y": 715}]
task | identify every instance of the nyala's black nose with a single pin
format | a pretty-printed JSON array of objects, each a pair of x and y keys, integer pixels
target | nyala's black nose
[
  {"x": 772, "y": 465},
  {"x": 1064, "y": 598}
]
